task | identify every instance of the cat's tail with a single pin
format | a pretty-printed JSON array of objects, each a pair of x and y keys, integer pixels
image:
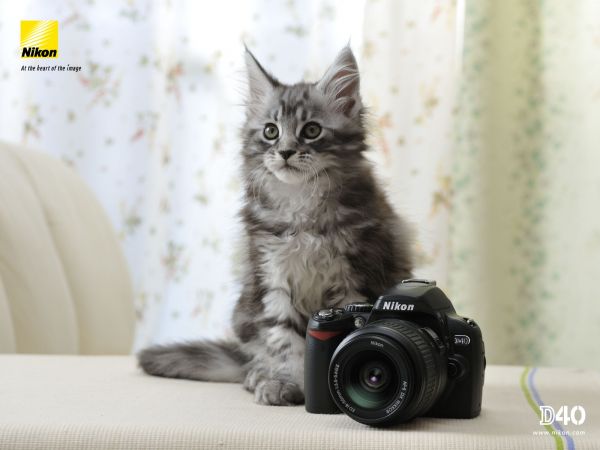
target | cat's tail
[{"x": 199, "y": 360}]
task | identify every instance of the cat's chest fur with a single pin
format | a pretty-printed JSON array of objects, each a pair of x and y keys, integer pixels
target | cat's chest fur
[
  {"x": 309, "y": 266},
  {"x": 307, "y": 260}
]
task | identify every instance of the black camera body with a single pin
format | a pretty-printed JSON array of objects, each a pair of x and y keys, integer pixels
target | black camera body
[{"x": 407, "y": 355}]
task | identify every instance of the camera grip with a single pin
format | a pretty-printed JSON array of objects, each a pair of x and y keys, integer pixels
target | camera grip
[{"x": 320, "y": 346}]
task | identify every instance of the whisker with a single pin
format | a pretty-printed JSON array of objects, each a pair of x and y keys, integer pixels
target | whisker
[
  {"x": 315, "y": 181},
  {"x": 328, "y": 185}
]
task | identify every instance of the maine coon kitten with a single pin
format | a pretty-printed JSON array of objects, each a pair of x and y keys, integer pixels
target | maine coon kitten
[{"x": 319, "y": 233}]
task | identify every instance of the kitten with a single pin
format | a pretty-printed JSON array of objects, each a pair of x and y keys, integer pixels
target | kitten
[{"x": 319, "y": 233}]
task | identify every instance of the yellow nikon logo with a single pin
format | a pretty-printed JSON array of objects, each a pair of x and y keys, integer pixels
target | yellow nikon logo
[{"x": 39, "y": 38}]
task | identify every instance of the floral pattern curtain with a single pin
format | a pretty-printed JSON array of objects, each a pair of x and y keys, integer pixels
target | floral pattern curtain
[{"x": 484, "y": 131}]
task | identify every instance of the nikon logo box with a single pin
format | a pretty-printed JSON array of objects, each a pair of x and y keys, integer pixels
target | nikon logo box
[{"x": 39, "y": 39}]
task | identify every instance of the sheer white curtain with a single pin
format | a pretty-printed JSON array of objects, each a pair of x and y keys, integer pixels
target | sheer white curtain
[
  {"x": 411, "y": 68},
  {"x": 151, "y": 122},
  {"x": 482, "y": 121}
]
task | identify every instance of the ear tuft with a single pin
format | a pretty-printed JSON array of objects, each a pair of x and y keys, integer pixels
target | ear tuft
[
  {"x": 260, "y": 82},
  {"x": 341, "y": 83}
]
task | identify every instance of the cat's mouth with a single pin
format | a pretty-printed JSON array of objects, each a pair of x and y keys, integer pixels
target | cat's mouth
[
  {"x": 289, "y": 174},
  {"x": 291, "y": 168}
]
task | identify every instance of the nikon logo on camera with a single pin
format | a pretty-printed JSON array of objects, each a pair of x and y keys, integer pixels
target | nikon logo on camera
[
  {"x": 396, "y": 306},
  {"x": 39, "y": 38}
]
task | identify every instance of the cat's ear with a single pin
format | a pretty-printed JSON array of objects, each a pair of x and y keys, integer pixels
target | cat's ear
[
  {"x": 260, "y": 82},
  {"x": 341, "y": 83}
]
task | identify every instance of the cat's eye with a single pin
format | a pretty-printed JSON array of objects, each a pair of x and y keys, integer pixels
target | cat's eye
[
  {"x": 271, "y": 131},
  {"x": 311, "y": 130}
]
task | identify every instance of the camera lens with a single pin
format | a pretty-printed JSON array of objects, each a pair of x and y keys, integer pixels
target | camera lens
[
  {"x": 386, "y": 372},
  {"x": 373, "y": 376},
  {"x": 368, "y": 382}
]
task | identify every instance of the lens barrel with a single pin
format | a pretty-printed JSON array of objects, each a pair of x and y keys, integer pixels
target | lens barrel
[{"x": 387, "y": 372}]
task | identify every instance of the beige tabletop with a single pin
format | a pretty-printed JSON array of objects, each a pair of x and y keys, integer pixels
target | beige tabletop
[{"x": 85, "y": 402}]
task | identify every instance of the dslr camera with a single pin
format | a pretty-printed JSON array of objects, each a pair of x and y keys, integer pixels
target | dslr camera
[{"x": 407, "y": 355}]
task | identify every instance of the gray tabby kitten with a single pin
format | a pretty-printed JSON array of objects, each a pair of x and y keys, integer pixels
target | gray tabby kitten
[{"x": 319, "y": 233}]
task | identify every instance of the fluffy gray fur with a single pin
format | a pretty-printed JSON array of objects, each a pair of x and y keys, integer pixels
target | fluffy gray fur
[{"x": 319, "y": 232}]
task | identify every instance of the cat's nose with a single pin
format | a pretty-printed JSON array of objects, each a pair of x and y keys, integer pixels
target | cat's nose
[{"x": 285, "y": 154}]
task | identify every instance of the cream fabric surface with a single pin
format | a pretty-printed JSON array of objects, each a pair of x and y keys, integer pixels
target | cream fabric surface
[
  {"x": 98, "y": 402},
  {"x": 64, "y": 284}
]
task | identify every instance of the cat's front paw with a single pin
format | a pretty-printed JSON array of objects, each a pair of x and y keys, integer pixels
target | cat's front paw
[{"x": 279, "y": 393}]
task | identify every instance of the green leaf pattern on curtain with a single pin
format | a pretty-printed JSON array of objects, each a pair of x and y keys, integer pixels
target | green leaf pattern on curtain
[{"x": 525, "y": 223}]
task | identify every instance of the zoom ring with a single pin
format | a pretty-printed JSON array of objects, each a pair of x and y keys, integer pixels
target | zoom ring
[{"x": 426, "y": 353}]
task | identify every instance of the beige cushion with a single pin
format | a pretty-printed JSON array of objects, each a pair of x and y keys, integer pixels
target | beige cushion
[
  {"x": 95, "y": 402},
  {"x": 64, "y": 284}
]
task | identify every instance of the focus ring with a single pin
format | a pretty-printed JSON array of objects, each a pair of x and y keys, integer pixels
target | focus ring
[{"x": 426, "y": 355}]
